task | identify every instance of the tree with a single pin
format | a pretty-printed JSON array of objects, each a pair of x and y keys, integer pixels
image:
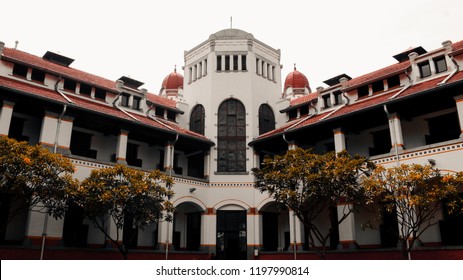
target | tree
[
  {"x": 313, "y": 185},
  {"x": 126, "y": 196},
  {"x": 32, "y": 178},
  {"x": 415, "y": 192}
]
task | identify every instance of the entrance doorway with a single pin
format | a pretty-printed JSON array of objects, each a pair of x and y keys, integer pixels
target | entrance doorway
[
  {"x": 187, "y": 227},
  {"x": 231, "y": 235}
]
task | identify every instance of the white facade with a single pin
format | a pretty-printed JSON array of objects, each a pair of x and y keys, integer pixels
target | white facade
[{"x": 218, "y": 209}]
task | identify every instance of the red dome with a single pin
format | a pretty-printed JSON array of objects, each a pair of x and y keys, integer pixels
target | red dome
[
  {"x": 173, "y": 81},
  {"x": 296, "y": 79}
]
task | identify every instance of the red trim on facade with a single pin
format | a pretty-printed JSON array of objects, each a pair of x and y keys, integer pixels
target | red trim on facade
[
  {"x": 253, "y": 211},
  {"x": 49, "y": 240}
]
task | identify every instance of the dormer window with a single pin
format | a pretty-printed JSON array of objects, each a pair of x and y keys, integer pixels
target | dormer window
[
  {"x": 425, "y": 69},
  {"x": 171, "y": 115},
  {"x": 304, "y": 110},
  {"x": 393, "y": 81},
  {"x": 38, "y": 76},
  {"x": 20, "y": 70},
  {"x": 337, "y": 97},
  {"x": 125, "y": 100},
  {"x": 362, "y": 91},
  {"x": 136, "y": 103},
  {"x": 70, "y": 85},
  {"x": 326, "y": 101},
  {"x": 441, "y": 64},
  {"x": 292, "y": 114},
  {"x": 85, "y": 89},
  {"x": 159, "y": 112},
  {"x": 100, "y": 94},
  {"x": 378, "y": 86}
]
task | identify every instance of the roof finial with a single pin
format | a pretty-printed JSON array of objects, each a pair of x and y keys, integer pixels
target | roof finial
[
  {"x": 294, "y": 66},
  {"x": 175, "y": 68},
  {"x": 231, "y": 22}
]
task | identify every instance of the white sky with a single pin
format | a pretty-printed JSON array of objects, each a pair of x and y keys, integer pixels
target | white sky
[{"x": 145, "y": 39}]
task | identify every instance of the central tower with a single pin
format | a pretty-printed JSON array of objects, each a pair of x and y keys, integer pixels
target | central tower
[{"x": 232, "y": 83}]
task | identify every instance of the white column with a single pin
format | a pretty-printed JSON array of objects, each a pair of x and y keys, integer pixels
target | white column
[
  {"x": 232, "y": 62},
  {"x": 64, "y": 134},
  {"x": 6, "y": 113},
  {"x": 36, "y": 224},
  {"x": 347, "y": 236},
  {"x": 195, "y": 72},
  {"x": 207, "y": 158},
  {"x": 251, "y": 229},
  {"x": 292, "y": 145},
  {"x": 395, "y": 130},
  {"x": 165, "y": 234},
  {"x": 295, "y": 231},
  {"x": 48, "y": 130},
  {"x": 398, "y": 131},
  {"x": 256, "y": 159},
  {"x": 432, "y": 66},
  {"x": 121, "y": 151},
  {"x": 339, "y": 140},
  {"x": 130, "y": 101},
  {"x": 205, "y": 67},
  {"x": 240, "y": 66},
  {"x": 77, "y": 90},
  {"x": 264, "y": 69},
  {"x": 258, "y": 234},
  {"x": 459, "y": 104},
  {"x": 169, "y": 157},
  {"x": 208, "y": 230}
]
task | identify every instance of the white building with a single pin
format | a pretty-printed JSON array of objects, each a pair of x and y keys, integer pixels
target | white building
[{"x": 212, "y": 125}]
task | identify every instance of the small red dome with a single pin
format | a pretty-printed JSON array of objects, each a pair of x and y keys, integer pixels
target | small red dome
[
  {"x": 173, "y": 81},
  {"x": 296, "y": 79}
]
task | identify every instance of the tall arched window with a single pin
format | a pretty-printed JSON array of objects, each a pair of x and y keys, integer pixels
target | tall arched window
[
  {"x": 231, "y": 137},
  {"x": 197, "y": 119},
  {"x": 266, "y": 119}
]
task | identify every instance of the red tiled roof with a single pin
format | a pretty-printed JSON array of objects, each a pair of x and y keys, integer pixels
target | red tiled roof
[
  {"x": 293, "y": 124},
  {"x": 91, "y": 105},
  {"x": 278, "y": 130},
  {"x": 363, "y": 104},
  {"x": 35, "y": 61},
  {"x": 31, "y": 89},
  {"x": 422, "y": 87},
  {"x": 303, "y": 99},
  {"x": 458, "y": 76},
  {"x": 457, "y": 45},
  {"x": 381, "y": 73},
  {"x": 163, "y": 101},
  {"x": 39, "y": 62}
]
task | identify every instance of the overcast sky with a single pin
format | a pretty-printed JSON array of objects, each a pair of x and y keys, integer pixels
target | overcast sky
[{"x": 145, "y": 39}]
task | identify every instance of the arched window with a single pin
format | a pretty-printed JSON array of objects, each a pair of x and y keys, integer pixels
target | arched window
[
  {"x": 231, "y": 136},
  {"x": 266, "y": 119},
  {"x": 197, "y": 119}
]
